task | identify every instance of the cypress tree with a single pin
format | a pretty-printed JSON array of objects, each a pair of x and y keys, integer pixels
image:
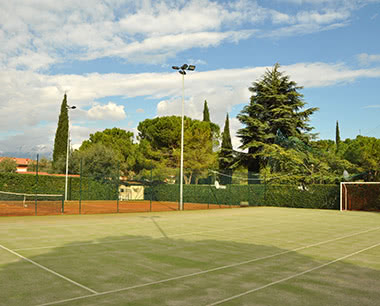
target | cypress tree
[
  {"x": 275, "y": 106},
  {"x": 60, "y": 141},
  {"x": 226, "y": 154},
  {"x": 206, "y": 113},
  {"x": 337, "y": 136}
]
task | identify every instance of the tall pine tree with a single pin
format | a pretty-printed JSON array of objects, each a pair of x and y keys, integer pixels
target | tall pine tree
[
  {"x": 206, "y": 112},
  {"x": 60, "y": 141},
  {"x": 337, "y": 136},
  {"x": 275, "y": 106},
  {"x": 226, "y": 154}
]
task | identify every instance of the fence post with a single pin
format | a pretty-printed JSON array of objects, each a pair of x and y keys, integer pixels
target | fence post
[
  {"x": 151, "y": 188},
  {"x": 265, "y": 189},
  {"x": 80, "y": 187},
  {"x": 69, "y": 195},
  {"x": 117, "y": 186},
  {"x": 36, "y": 189}
]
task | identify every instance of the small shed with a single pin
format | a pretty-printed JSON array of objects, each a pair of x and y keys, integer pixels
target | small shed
[{"x": 131, "y": 190}]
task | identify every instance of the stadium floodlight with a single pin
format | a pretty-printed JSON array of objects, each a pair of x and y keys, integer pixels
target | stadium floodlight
[
  {"x": 182, "y": 71},
  {"x": 68, "y": 149}
]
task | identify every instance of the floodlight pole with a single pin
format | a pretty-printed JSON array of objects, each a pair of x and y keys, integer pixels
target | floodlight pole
[
  {"x": 68, "y": 148},
  {"x": 182, "y": 132},
  {"x": 182, "y": 71}
]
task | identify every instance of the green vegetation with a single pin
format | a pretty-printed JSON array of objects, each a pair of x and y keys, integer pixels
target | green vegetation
[
  {"x": 275, "y": 107},
  {"x": 8, "y": 165},
  {"x": 226, "y": 156},
  {"x": 206, "y": 112},
  {"x": 92, "y": 188},
  {"x": 61, "y": 135},
  {"x": 276, "y": 137}
]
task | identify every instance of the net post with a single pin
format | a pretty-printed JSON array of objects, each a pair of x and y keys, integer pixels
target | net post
[{"x": 35, "y": 199}]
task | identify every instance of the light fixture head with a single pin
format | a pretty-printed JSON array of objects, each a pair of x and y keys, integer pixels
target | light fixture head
[
  {"x": 184, "y": 66},
  {"x": 191, "y": 67},
  {"x": 175, "y": 67},
  {"x": 182, "y": 72}
]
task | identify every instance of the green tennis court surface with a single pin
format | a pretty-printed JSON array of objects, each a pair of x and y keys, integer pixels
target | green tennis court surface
[{"x": 247, "y": 256}]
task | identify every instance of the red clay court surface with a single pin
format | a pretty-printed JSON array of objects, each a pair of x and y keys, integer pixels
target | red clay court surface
[{"x": 44, "y": 208}]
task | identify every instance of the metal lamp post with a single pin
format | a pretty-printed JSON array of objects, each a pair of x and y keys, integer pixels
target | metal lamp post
[
  {"x": 182, "y": 71},
  {"x": 68, "y": 148}
]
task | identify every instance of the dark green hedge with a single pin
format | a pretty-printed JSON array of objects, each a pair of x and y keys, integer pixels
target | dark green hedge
[
  {"x": 316, "y": 196},
  {"x": 91, "y": 189}
]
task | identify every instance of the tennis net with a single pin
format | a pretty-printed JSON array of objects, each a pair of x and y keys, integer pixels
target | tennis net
[{"x": 14, "y": 203}]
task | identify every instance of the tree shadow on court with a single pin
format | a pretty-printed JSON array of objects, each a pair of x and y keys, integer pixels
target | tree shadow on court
[{"x": 184, "y": 270}]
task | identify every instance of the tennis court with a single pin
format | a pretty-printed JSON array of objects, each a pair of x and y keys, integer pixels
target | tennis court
[{"x": 242, "y": 256}]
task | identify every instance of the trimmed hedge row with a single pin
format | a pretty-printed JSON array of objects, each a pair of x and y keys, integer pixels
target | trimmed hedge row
[
  {"x": 316, "y": 196},
  {"x": 26, "y": 183}
]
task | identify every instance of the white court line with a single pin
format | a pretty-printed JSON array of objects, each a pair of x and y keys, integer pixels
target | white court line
[
  {"x": 47, "y": 269},
  {"x": 292, "y": 276},
  {"x": 204, "y": 271}
]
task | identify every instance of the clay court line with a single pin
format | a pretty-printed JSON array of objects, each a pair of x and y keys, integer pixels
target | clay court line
[
  {"x": 227, "y": 267},
  {"x": 47, "y": 269},
  {"x": 292, "y": 276}
]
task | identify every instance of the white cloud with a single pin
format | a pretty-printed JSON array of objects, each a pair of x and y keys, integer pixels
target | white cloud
[
  {"x": 372, "y": 106},
  {"x": 326, "y": 17},
  {"x": 39, "y": 96},
  {"x": 140, "y": 111},
  {"x": 367, "y": 59},
  {"x": 110, "y": 111},
  {"x": 36, "y": 34}
]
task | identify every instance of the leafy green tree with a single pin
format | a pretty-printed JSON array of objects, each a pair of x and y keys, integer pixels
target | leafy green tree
[
  {"x": 159, "y": 137},
  {"x": 226, "y": 154},
  {"x": 60, "y": 141},
  {"x": 337, "y": 136},
  {"x": 8, "y": 165},
  {"x": 160, "y": 145},
  {"x": 365, "y": 153},
  {"x": 197, "y": 153},
  {"x": 215, "y": 129},
  {"x": 98, "y": 161},
  {"x": 206, "y": 112},
  {"x": 297, "y": 162},
  {"x": 275, "y": 105},
  {"x": 120, "y": 141},
  {"x": 44, "y": 165}
]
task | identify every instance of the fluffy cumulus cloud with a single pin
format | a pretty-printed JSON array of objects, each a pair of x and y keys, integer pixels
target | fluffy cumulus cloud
[
  {"x": 110, "y": 111},
  {"x": 36, "y": 34},
  {"x": 40, "y": 96}
]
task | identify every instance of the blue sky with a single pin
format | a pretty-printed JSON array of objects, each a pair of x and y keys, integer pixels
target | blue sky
[{"x": 114, "y": 58}]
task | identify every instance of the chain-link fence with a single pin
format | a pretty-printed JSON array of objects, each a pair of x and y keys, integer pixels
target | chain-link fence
[{"x": 153, "y": 190}]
